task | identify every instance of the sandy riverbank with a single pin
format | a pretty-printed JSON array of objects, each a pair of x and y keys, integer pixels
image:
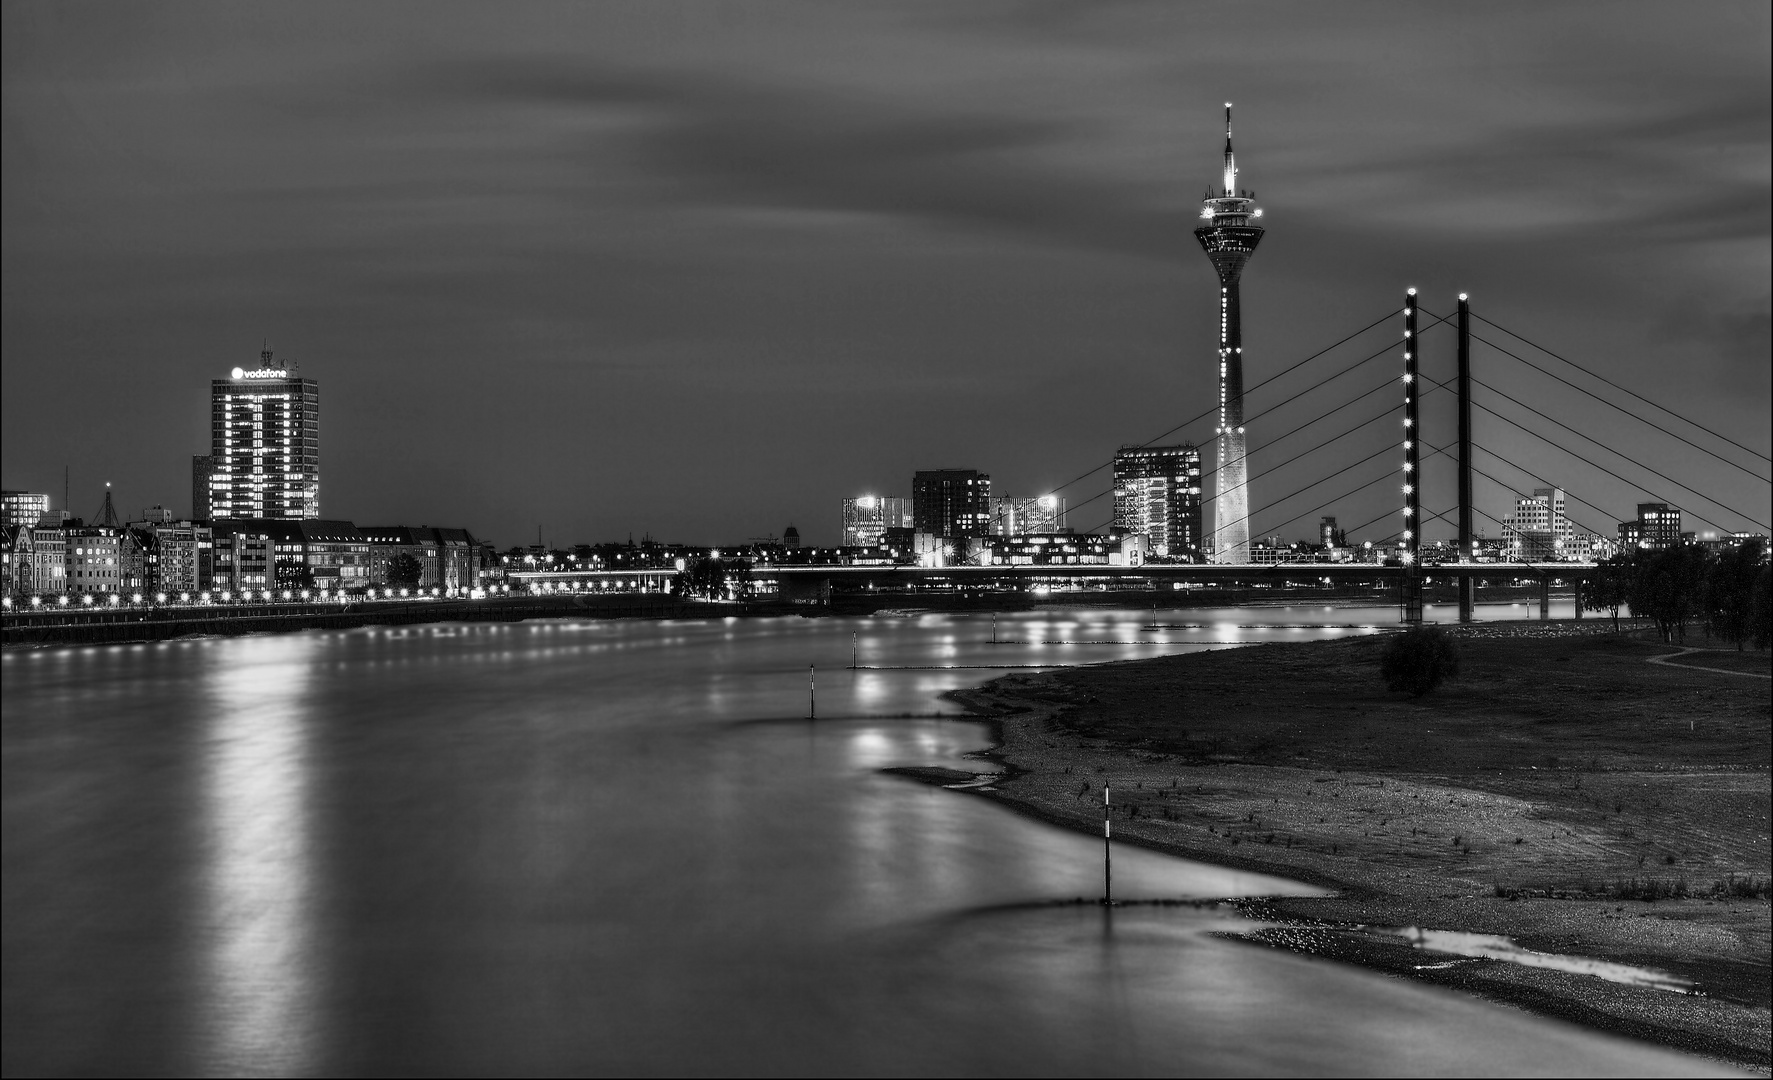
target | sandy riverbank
[{"x": 1546, "y": 796}]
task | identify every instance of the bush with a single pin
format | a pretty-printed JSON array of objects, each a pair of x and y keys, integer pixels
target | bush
[{"x": 1418, "y": 660}]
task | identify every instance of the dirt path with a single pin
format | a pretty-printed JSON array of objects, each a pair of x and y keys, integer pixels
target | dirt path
[{"x": 1674, "y": 660}]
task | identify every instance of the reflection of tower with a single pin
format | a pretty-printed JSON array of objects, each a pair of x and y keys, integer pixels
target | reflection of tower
[{"x": 1229, "y": 236}]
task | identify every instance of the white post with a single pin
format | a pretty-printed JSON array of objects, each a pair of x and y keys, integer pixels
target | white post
[
  {"x": 1107, "y": 853},
  {"x": 812, "y": 700}
]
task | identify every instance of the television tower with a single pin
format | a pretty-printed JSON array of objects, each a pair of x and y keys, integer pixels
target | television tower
[{"x": 1229, "y": 236}]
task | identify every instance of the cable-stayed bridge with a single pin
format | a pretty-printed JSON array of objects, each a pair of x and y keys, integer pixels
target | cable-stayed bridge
[{"x": 1507, "y": 433}]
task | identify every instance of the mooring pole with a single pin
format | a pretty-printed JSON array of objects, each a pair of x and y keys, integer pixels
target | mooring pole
[
  {"x": 1411, "y": 577},
  {"x": 1467, "y": 544},
  {"x": 812, "y": 699},
  {"x": 855, "y": 648},
  {"x": 1107, "y": 851}
]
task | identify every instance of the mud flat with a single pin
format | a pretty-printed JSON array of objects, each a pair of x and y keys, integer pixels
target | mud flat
[{"x": 1601, "y": 813}]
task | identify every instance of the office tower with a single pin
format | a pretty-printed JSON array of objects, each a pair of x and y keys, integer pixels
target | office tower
[
  {"x": 1157, "y": 495},
  {"x": 1229, "y": 238},
  {"x": 866, "y": 518},
  {"x": 1027, "y": 517},
  {"x": 264, "y": 445},
  {"x": 951, "y": 502},
  {"x": 23, "y": 508}
]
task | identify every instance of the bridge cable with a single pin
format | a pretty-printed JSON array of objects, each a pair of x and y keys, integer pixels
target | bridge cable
[
  {"x": 1628, "y": 412},
  {"x": 1616, "y": 386},
  {"x": 1604, "y": 446}
]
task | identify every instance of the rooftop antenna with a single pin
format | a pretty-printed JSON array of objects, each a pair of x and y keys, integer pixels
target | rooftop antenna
[{"x": 108, "y": 514}]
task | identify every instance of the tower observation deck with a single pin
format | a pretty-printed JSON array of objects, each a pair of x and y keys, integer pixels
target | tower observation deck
[{"x": 1229, "y": 235}]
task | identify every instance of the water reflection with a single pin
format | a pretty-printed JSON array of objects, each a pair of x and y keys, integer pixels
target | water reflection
[
  {"x": 258, "y": 881},
  {"x": 616, "y": 847}
]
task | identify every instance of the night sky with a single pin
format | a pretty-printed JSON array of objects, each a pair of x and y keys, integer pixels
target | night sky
[{"x": 703, "y": 270}]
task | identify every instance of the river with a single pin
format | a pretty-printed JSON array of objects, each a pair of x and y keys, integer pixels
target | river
[{"x": 612, "y": 847}]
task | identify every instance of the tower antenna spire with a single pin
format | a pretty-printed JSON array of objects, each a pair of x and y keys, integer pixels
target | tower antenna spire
[{"x": 1230, "y": 158}]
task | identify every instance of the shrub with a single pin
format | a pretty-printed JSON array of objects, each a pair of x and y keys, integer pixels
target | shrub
[{"x": 1418, "y": 660}]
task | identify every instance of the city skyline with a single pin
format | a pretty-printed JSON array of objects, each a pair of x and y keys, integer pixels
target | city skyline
[{"x": 552, "y": 264}]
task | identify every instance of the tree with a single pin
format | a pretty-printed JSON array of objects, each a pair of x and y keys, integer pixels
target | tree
[
  {"x": 705, "y": 578},
  {"x": 1730, "y": 591},
  {"x": 1610, "y": 586},
  {"x": 1418, "y": 660},
  {"x": 405, "y": 571},
  {"x": 1668, "y": 587}
]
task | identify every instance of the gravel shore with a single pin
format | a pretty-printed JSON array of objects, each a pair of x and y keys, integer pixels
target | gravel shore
[{"x": 1561, "y": 793}]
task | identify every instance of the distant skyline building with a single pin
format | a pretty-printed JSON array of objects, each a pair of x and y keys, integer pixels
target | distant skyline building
[
  {"x": 951, "y": 502},
  {"x": 1157, "y": 494},
  {"x": 23, "y": 508},
  {"x": 1538, "y": 531},
  {"x": 1229, "y": 237},
  {"x": 866, "y": 518},
  {"x": 264, "y": 446},
  {"x": 1658, "y": 525}
]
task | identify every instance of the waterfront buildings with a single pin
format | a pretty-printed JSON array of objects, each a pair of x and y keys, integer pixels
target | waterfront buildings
[
  {"x": 264, "y": 459},
  {"x": 1157, "y": 494},
  {"x": 439, "y": 558},
  {"x": 264, "y": 553},
  {"x": 1057, "y": 549},
  {"x": 23, "y": 509},
  {"x": 951, "y": 503},
  {"x": 1229, "y": 235},
  {"x": 866, "y": 518}
]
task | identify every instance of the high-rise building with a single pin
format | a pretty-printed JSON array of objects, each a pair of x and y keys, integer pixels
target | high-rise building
[
  {"x": 1157, "y": 495},
  {"x": 866, "y": 518},
  {"x": 264, "y": 445},
  {"x": 23, "y": 508},
  {"x": 1229, "y": 236},
  {"x": 951, "y": 502},
  {"x": 1027, "y": 517}
]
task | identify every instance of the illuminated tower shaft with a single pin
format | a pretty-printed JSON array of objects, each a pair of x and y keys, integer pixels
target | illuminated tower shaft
[{"x": 1229, "y": 238}]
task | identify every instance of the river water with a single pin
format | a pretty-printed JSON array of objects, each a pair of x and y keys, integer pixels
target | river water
[{"x": 601, "y": 847}]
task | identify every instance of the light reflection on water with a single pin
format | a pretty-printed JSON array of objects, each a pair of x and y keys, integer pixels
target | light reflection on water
[{"x": 610, "y": 847}]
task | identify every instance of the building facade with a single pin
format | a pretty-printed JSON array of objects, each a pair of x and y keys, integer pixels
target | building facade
[
  {"x": 1229, "y": 235},
  {"x": 23, "y": 509},
  {"x": 1026, "y": 517},
  {"x": 951, "y": 502},
  {"x": 264, "y": 458},
  {"x": 866, "y": 518},
  {"x": 95, "y": 559},
  {"x": 1157, "y": 494}
]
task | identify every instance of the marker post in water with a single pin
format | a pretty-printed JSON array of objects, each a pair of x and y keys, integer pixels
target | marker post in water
[
  {"x": 1107, "y": 852},
  {"x": 812, "y": 698},
  {"x": 855, "y": 648}
]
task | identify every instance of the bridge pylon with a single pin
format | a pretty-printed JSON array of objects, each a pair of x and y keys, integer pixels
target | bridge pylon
[
  {"x": 1410, "y": 581},
  {"x": 1467, "y": 543}
]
